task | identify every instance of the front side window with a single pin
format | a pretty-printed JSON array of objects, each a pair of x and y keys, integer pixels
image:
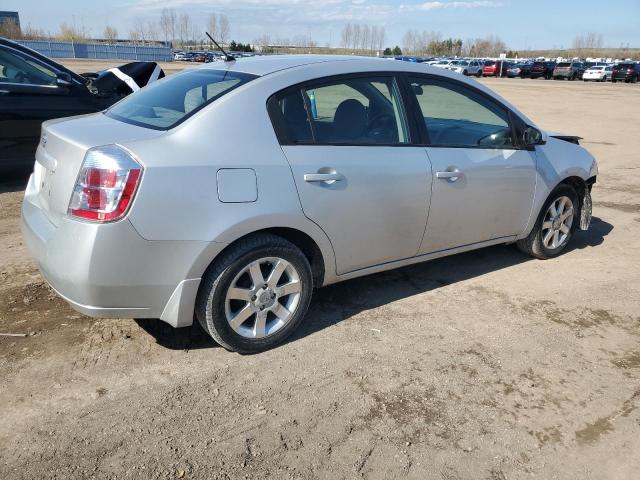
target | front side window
[
  {"x": 354, "y": 111},
  {"x": 16, "y": 68},
  {"x": 167, "y": 102},
  {"x": 456, "y": 116}
]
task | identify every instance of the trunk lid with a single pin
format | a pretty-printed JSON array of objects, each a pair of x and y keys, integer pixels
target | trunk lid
[{"x": 61, "y": 151}]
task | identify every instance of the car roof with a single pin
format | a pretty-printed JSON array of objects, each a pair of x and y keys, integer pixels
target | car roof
[{"x": 264, "y": 65}]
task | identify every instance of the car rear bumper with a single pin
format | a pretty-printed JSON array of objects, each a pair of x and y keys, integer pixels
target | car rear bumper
[{"x": 110, "y": 271}]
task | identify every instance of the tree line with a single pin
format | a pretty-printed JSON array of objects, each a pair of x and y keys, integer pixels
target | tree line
[{"x": 181, "y": 29}]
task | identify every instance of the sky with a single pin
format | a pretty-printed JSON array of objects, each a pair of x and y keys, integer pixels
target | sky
[{"x": 521, "y": 24}]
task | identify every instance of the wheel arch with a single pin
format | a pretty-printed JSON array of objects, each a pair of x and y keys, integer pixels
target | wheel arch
[{"x": 314, "y": 245}]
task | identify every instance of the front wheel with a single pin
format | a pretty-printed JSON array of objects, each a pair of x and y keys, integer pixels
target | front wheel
[
  {"x": 555, "y": 225},
  {"x": 255, "y": 295}
]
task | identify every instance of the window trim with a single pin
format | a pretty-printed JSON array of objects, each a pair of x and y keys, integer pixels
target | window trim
[
  {"x": 26, "y": 55},
  {"x": 277, "y": 119},
  {"x": 514, "y": 121}
]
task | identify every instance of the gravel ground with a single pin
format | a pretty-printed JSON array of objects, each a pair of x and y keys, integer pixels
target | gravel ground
[{"x": 485, "y": 365}]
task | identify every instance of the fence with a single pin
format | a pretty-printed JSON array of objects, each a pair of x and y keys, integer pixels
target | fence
[{"x": 99, "y": 51}]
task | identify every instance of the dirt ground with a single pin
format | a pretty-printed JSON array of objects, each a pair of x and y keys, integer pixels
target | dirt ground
[{"x": 485, "y": 365}]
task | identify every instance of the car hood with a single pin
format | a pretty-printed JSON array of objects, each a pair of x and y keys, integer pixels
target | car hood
[
  {"x": 118, "y": 82},
  {"x": 566, "y": 137}
]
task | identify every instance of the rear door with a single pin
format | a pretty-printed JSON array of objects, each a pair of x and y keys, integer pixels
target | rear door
[
  {"x": 483, "y": 182},
  {"x": 358, "y": 176}
]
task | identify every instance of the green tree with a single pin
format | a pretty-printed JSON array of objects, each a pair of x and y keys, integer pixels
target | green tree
[
  {"x": 233, "y": 46},
  {"x": 397, "y": 50},
  {"x": 387, "y": 51}
]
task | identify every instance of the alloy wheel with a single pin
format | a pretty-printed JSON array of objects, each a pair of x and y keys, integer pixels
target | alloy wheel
[
  {"x": 556, "y": 226},
  {"x": 263, "y": 297}
]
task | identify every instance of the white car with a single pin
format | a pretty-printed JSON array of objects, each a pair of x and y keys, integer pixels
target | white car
[
  {"x": 598, "y": 73},
  {"x": 442, "y": 64},
  {"x": 466, "y": 67}
]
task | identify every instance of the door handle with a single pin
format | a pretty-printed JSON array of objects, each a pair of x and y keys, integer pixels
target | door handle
[
  {"x": 4, "y": 92},
  {"x": 450, "y": 176},
  {"x": 323, "y": 177}
]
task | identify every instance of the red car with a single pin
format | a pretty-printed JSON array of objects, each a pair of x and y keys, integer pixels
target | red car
[
  {"x": 492, "y": 68},
  {"x": 200, "y": 57}
]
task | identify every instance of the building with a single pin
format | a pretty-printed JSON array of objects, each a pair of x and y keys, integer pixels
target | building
[{"x": 10, "y": 17}]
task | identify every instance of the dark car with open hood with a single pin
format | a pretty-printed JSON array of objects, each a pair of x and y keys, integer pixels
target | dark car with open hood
[{"x": 34, "y": 88}]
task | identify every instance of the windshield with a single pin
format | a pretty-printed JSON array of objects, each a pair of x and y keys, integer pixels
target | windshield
[
  {"x": 563, "y": 65},
  {"x": 168, "y": 102}
]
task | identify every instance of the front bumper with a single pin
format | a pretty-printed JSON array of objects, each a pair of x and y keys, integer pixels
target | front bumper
[{"x": 110, "y": 271}]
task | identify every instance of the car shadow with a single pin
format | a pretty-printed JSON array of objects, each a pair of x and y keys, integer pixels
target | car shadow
[
  {"x": 338, "y": 302},
  {"x": 186, "y": 338}
]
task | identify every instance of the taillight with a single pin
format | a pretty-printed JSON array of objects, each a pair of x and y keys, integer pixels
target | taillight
[{"x": 106, "y": 184}]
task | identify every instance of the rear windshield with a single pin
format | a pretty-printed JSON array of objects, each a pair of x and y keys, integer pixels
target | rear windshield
[
  {"x": 564, "y": 64},
  {"x": 489, "y": 63},
  {"x": 625, "y": 65},
  {"x": 168, "y": 102}
]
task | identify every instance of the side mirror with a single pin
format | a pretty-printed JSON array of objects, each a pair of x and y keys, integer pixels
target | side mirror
[
  {"x": 63, "y": 79},
  {"x": 533, "y": 136}
]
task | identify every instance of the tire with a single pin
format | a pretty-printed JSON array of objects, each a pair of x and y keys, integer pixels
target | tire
[
  {"x": 465, "y": 73},
  {"x": 534, "y": 244},
  {"x": 479, "y": 74},
  {"x": 233, "y": 269}
]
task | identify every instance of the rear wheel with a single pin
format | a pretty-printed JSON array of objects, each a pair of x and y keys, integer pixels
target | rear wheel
[
  {"x": 555, "y": 225},
  {"x": 256, "y": 294}
]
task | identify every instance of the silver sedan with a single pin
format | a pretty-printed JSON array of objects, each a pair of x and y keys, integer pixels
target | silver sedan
[{"x": 227, "y": 193}]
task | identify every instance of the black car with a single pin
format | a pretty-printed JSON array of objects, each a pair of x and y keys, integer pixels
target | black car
[
  {"x": 626, "y": 72},
  {"x": 33, "y": 88},
  {"x": 521, "y": 70},
  {"x": 542, "y": 69}
]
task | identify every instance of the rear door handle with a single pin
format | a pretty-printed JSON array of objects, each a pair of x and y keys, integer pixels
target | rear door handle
[
  {"x": 451, "y": 176},
  {"x": 323, "y": 177}
]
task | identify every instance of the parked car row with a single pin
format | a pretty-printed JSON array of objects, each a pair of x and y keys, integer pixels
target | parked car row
[
  {"x": 204, "y": 57},
  {"x": 548, "y": 69}
]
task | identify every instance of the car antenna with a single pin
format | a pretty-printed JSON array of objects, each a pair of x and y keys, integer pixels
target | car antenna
[{"x": 227, "y": 57}]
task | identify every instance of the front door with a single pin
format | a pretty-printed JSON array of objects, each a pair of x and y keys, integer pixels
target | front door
[
  {"x": 483, "y": 183},
  {"x": 358, "y": 177}
]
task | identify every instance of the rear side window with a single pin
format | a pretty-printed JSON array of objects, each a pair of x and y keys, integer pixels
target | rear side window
[
  {"x": 168, "y": 102},
  {"x": 353, "y": 111},
  {"x": 456, "y": 116}
]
